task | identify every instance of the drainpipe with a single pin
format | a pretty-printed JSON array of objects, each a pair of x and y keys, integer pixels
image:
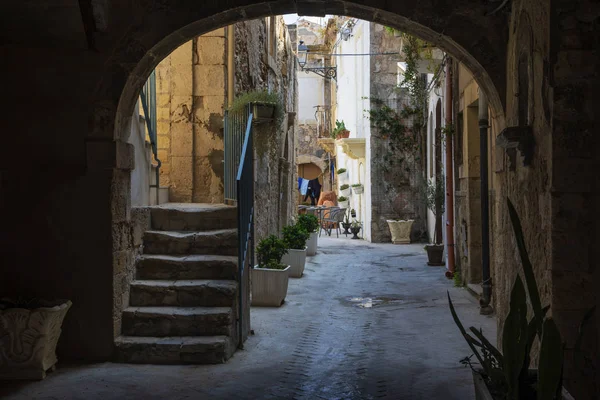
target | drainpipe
[
  {"x": 484, "y": 301},
  {"x": 449, "y": 176}
]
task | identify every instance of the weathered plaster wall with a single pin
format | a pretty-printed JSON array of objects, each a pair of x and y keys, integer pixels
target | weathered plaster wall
[
  {"x": 275, "y": 175},
  {"x": 191, "y": 93},
  {"x": 468, "y": 181},
  {"x": 573, "y": 84},
  {"x": 395, "y": 187}
]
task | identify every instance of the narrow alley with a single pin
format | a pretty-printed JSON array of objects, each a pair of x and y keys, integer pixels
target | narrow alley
[{"x": 366, "y": 321}]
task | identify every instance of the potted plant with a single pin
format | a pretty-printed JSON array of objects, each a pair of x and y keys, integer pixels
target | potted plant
[
  {"x": 345, "y": 190},
  {"x": 265, "y": 106},
  {"x": 270, "y": 277},
  {"x": 342, "y": 173},
  {"x": 355, "y": 228},
  {"x": 400, "y": 229},
  {"x": 343, "y": 202},
  {"x": 347, "y": 224},
  {"x": 295, "y": 237},
  {"x": 434, "y": 198},
  {"x": 29, "y": 332},
  {"x": 340, "y": 131},
  {"x": 507, "y": 374},
  {"x": 310, "y": 223},
  {"x": 358, "y": 188}
]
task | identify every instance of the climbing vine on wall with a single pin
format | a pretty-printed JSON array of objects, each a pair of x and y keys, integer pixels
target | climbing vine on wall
[{"x": 404, "y": 129}]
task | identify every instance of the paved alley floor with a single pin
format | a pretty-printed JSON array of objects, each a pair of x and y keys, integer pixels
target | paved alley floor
[{"x": 367, "y": 321}]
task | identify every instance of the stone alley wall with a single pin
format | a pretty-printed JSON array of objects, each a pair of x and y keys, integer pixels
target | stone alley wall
[
  {"x": 264, "y": 59},
  {"x": 395, "y": 184}
]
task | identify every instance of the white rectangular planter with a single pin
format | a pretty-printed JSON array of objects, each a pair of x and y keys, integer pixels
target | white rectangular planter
[
  {"x": 311, "y": 244},
  {"x": 345, "y": 192},
  {"x": 28, "y": 340},
  {"x": 269, "y": 286},
  {"x": 296, "y": 259}
]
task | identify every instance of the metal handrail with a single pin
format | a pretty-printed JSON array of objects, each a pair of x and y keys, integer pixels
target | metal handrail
[
  {"x": 148, "y": 95},
  {"x": 245, "y": 209}
]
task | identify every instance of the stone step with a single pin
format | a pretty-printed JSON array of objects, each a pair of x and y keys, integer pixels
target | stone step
[
  {"x": 174, "y": 350},
  {"x": 219, "y": 242},
  {"x": 186, "y": 267},
  {"x": 177, "y": 321},
  {"x": 192, "y": 293},
  {"x": 193, "y": 217}
]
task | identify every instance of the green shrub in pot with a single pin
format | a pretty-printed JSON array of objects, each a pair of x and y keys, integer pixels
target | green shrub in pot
[
  {"x": 269, "y": 252},
  {"x": 295, "y": 237},
  {"x": 309, "y": 223},
  {"x": 344, "y": 186}
]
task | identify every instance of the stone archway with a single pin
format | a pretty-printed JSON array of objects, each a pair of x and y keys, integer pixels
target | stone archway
[
  {"x": 141, "y": 37},
  {"x": 164, "y": 28}
]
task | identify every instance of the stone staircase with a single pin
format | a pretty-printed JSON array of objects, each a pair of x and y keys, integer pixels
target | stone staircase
[{"x": 183, "y": 302}]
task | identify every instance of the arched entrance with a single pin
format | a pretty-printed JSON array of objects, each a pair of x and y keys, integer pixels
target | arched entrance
[{"x": 161, "y": 31}]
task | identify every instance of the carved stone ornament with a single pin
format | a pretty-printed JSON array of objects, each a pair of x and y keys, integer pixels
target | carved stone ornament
[
  {"x": 400, "y": 230},
  {"x": 28, "y": 339},
  {"x": 520, "y": 138}
]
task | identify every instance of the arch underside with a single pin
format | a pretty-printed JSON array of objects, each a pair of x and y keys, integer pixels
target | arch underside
[{"x": 460, "y": 28}]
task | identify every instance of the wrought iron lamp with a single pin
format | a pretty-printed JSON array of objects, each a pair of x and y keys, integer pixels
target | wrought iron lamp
[{"x": 325, "y": 72}]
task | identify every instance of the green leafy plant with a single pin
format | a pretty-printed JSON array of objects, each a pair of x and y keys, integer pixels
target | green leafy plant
[
  {"x": 295, "y": 237},
  {"x": 341, "y": 170},
  {"x": 257, "y": 96},
  {"x": 344, "y": 186},
  {"x": 435, "y": 194},
  {"x": 342, "y": 198},
  {"x": 507, "y": 373},
  {"x": 339, "y": 129},
  {"x": 308, "y": 222},
  {"x": 269, "y": 252},
  {"x": 457, "y": 279},
  {"x": 356, "y": 224}
]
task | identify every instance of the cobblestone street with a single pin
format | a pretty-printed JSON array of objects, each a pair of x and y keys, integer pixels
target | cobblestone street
[{"x": 367, "y": 321}]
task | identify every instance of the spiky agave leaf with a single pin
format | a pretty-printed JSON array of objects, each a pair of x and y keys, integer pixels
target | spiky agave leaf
[
  {"x": 551, "y": 362},
  {"x": 532, "y": 289},
  {"x": 514, "y": 338},
  {"x": 465, "y": 334}
]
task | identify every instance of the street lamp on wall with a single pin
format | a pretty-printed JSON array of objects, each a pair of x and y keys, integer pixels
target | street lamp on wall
[{"x": 325, "y": 72}]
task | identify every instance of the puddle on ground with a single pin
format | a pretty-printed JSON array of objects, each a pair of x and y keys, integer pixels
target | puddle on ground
[{"x": 370, "y": 302}]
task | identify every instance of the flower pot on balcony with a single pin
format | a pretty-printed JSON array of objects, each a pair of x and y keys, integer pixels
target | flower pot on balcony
[
  {"x": 269, "y": 286},
  {"x": 311, "y": 244},
  {"x": 296, "y": 259},
  {"x": 263, "y": 111},
  {"x": 344, "y": 204},
  {"x": 345, "y": 192},
  {"x": 435, "y": 255},
  {"x": 28, "y": 338},
  {"x": 400, "y": 230},
  {"x": 358, "y": 189},
  {"x": 345, "y": 134}
]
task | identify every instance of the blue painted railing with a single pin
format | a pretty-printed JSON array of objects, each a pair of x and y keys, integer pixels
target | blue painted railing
[
  {"x": 245, "y": 209},
  {"x": 148, "y": 97}
]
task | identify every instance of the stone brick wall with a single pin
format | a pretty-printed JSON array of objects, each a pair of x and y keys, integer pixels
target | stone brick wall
[
  {"x": 573, "y": 71},
  {"x": 191, "y": 93},
  {"x": 395, "y": 188},
  {"x": 274, "y": 155}
]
